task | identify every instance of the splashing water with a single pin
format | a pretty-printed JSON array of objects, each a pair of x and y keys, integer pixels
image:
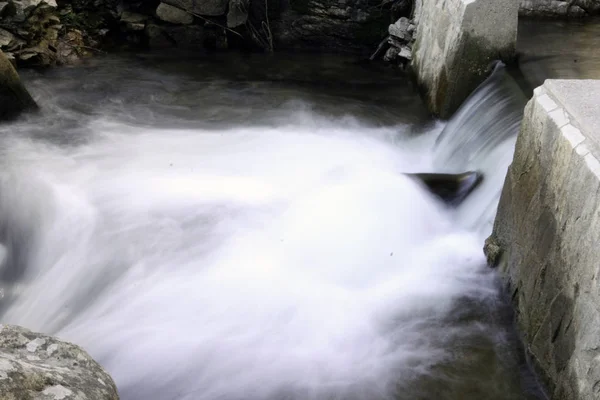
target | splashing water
[{"x": 286, "y": 258}]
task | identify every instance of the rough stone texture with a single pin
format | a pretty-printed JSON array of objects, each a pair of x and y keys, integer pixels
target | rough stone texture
[
  {"x": 334, "y": 25},
  {"x": 559, "y": 8},
  {"x": 173, "y": 15},
  {"x": 546, "y": 235},
  {"x": 456, "y": 41},
  {"x": 201, "y": 7},
  {"x": 238, "y": 13},
  {"x": 188, "y": 37},
  {"x": 34, "y": 366},
  {"x": 30, "y": 31},
  {"x": 14, "y": 98}
]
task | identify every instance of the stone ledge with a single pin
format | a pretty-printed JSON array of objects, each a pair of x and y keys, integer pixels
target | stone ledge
[
  {"x": 547, "y": 230},
  {"x": 454, "y": 47}
]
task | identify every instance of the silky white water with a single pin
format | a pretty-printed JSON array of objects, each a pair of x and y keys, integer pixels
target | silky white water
[{"x": 289, "y": 258}]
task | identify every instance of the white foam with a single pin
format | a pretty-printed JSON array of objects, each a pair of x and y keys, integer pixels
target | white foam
[{"x": 240, "y": 264}]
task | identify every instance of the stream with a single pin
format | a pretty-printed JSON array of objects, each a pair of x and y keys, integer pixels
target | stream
[{"x": 241, "y": 227}]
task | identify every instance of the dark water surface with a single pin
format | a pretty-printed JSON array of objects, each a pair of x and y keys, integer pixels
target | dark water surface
[{"x": 559, "y": 50}]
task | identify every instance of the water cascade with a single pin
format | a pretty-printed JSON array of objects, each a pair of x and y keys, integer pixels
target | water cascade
[{"x": 263, "y": 248}]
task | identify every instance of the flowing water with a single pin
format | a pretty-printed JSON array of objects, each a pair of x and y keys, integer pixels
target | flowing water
[{"x": 242, "y": 228}]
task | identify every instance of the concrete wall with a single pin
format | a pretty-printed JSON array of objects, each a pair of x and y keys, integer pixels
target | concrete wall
[
  {"x": 546, "y": 238},
  {"x": 456, "y": 41}
]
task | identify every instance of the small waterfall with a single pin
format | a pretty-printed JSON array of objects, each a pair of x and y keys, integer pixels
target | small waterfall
[
  {"x": 481, "y": 136},
  {"x": 270, "y": 248}
]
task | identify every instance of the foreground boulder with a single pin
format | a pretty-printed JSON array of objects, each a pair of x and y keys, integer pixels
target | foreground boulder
[
  {"x": 34, "y": 366},
  {"x": 14, "y": 98}
]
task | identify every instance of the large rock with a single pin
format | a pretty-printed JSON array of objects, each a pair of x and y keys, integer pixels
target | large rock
[
  {"x": 173, "y": 15},
  {"x": 334, "y": 25},
  {"x": 546, "y": 235},
  {"x": 201, "y": 7},
  {"x": 14, "y": 98},
  {"x": 34, "y": 366},
  {"x": 454, "y": 47}
]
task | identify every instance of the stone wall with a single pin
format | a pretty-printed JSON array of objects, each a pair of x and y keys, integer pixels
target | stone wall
[
  {"x": 559, "y": 8},
  {"x": 546, "y": 235},
  {"x": 455, "y": 43}
]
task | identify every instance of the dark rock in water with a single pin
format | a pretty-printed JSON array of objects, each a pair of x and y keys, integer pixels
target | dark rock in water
[
  {"x": 14, "y": 98},
  {"x": 451, "y": 188},
  {"x": 39, "y": 367}
]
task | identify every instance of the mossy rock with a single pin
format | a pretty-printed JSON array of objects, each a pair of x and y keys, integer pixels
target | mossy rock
[{"x": 14, "y": 98}]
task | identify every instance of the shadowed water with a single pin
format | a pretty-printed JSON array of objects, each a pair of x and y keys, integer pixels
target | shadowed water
[{"x": 208, "y": 232}]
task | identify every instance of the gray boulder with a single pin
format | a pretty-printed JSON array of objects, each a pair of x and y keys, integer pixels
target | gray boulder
[
  {"x": 14, "y": 98},
  {"x": 400, "y": 29},
  {"x": 238, "y": 13},
  {"x": 173, "y": 15},
  {"x": 34, "y": 366},
  {"x": 201, "y": 7}
]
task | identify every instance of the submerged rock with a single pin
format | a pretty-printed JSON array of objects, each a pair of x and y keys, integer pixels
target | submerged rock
[
  {"x": 14, "y": 98},
  {"x": 34, "y": 366},
  {"x": 451, "y": 188}
]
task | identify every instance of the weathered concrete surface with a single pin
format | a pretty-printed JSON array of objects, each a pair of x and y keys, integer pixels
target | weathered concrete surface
[
  {"x": 546, "y": 235},
  {"x": 34, "y": 366},
  {"x": 456, "y": 41}
]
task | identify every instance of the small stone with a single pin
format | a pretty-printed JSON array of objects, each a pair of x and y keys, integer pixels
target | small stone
[
  {"x": 51, "y": 349},
  {"x": 3, "y": 5},
  {"x": 134, "y": 18},
  {"x": 133, "y": 26},
  {"x": 173, "y": 15},
  {"x": 405, "y": 52},
  {"x": 576, "y": 11},
  {"x": 59, "y": 392},
  {"x": 400, "y": 28},
  {"x": 391, "y": 54},
  {"x": 34, "y": 344},
  {"x": 6, "y": 38},
  {"x": 492, "y": 251},
  {"x": 238, "y": 13}
]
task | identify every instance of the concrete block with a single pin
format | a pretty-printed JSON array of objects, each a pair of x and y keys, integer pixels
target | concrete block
[
  {"x": 548, "y": 230},
  {"x": 456, "y": 41}
]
